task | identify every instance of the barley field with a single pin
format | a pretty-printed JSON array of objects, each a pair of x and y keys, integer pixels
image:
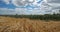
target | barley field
[{"x": 9, "y": 24}]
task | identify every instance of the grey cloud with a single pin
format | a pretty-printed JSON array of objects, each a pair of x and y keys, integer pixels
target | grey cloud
[
  {"x": 50, "y": 5},
  {"x": 24, "y": 2},
  {"x": 19, "y": 2},
  {"x": 53, "y": 1},
  {"x": 47, "y": 5},
  {"x": 6, "y": 1}
]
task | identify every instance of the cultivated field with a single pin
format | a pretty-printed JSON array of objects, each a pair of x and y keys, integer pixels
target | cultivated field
[{"x": 9, "y": 24}]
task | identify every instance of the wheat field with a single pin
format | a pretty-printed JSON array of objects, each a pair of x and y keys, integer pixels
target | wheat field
[{"x": 9, "y": 24}]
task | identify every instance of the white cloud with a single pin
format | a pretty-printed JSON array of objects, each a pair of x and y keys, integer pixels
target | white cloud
[
  {"x": 19, "y": 11},
  {"x": 26, "y": 11},
  {"x": 6, "y": 11}
]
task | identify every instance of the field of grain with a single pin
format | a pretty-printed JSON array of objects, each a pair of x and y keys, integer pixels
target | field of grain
[{"x": 9, "y": 24}]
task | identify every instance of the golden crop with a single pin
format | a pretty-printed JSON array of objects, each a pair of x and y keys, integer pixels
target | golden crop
[{"x": 9, "y": 24}]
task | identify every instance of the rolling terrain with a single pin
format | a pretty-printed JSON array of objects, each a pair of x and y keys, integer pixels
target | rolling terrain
[{"x": 10, "y": 24}]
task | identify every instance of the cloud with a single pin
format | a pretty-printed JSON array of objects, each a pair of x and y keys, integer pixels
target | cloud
[
  {"x": 20, "y": 11},
  {"x": 25, "y": 2},
  {"x": 6, "y": 1},
  {"x": 45, "y": 7},
  {"x": 54, "y": 3},
  {"x": 6, "y": 11},
  {"x": 50, "y": 5},
  {"x": 19, "y": 2}
]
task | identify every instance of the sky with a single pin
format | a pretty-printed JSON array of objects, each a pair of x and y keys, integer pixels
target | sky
[{"x": 28, "y": 7}]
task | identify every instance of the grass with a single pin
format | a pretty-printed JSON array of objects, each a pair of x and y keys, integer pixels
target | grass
[{"x": 10, "y": 24}]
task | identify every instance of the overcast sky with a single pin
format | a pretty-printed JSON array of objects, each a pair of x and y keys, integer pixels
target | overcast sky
[{"x": 29, "y": 7}]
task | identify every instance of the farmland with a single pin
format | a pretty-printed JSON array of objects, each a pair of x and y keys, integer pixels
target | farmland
[{"x": 12, "y": 24}]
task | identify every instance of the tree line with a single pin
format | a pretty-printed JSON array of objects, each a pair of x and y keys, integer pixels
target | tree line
[{"x": 41, "y": 17}]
